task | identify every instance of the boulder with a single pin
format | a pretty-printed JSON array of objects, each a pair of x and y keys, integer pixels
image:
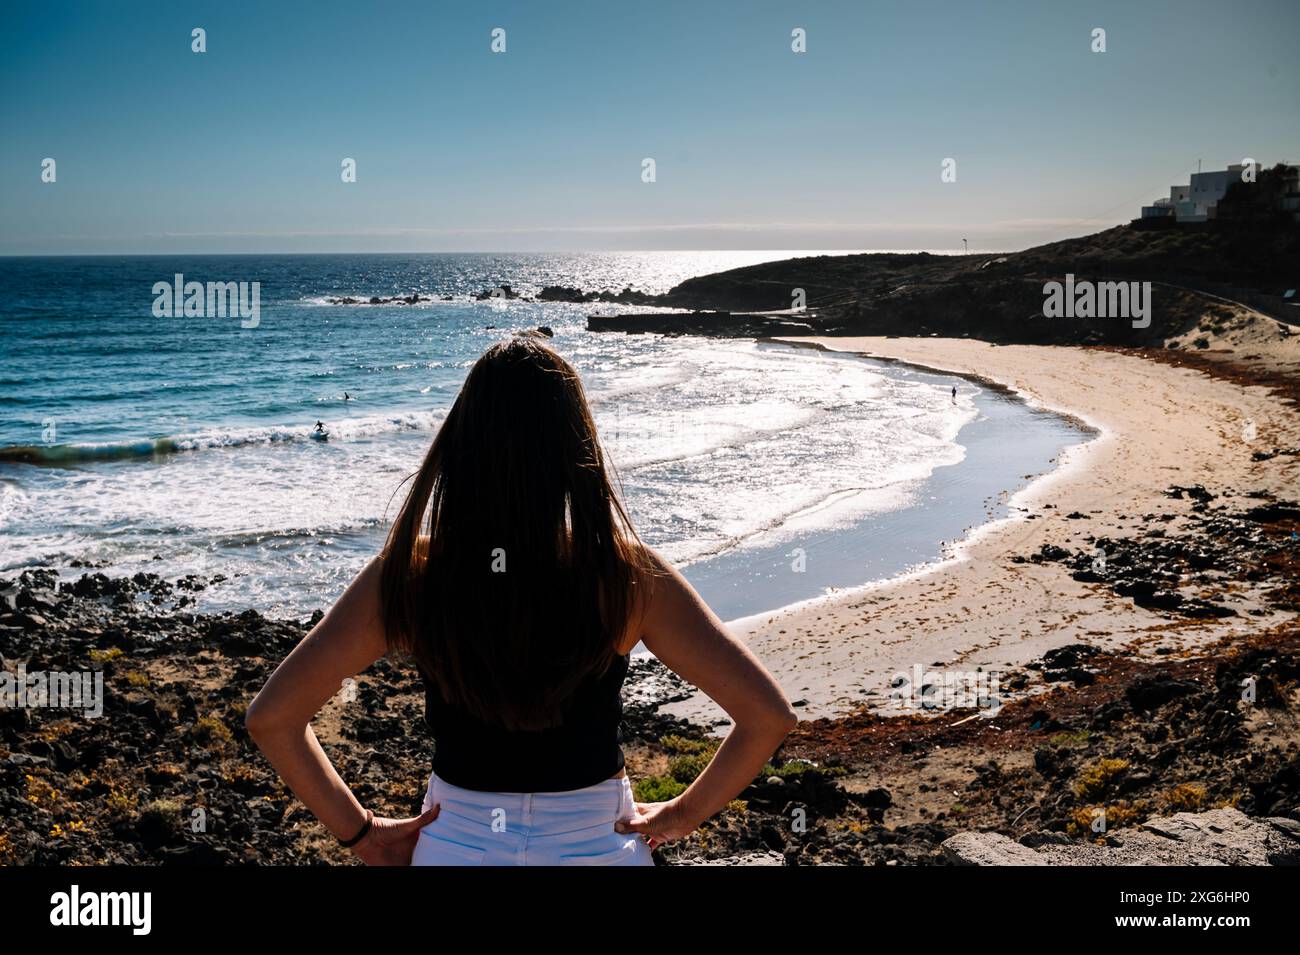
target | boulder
[
  {"x": 744, "y": 858},
  {"x": 988, "y": 848},
  {"x": 1218, "y": 837}
]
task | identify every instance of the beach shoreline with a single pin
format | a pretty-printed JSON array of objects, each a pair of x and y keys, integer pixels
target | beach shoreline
[
  {"x": 989, "y": 606},
  {"x": 953, "y": 551},
  {"x": 996, "y": 447}
]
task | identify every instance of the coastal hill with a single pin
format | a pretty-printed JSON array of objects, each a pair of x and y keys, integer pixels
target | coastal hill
[{"x": 1204, "y": 277}]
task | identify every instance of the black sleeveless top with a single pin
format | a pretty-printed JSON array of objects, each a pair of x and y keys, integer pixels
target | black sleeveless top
[{"x": 581, "y": 751}]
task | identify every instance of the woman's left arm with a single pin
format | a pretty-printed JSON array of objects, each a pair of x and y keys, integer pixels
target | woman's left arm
[{"x": 348, "y": 639}]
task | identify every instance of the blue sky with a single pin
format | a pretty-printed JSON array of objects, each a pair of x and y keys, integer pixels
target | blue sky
[{"x": 238, "y": 149}]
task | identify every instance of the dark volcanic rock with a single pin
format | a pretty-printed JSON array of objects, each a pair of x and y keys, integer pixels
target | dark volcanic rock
[
  {"x": 563, "y": 293},
  {"x": 1148, "y": 693},
  {"x": 1156, "y": 568}
]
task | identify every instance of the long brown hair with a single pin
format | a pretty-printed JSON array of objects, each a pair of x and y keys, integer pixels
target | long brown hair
[{"x": 527, "y": 577}]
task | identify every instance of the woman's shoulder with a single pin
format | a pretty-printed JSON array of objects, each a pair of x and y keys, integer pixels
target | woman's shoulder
[
  {"x": 648, "y": 568},
  {"x": 649, "y": 560}
]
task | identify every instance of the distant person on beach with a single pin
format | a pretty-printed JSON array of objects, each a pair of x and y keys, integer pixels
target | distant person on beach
[
  {"x": 954, "y": 394},
  {"x": 514, "y": 580}
]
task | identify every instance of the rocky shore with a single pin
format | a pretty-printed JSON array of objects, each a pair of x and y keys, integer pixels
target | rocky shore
[{"x": 167, "y": 773}]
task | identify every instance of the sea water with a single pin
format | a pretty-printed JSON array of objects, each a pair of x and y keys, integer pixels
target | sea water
[{"x": 182, "y": 445}]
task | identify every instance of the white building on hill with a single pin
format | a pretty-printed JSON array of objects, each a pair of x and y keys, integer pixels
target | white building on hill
[{"x": 1195, "y": 201}]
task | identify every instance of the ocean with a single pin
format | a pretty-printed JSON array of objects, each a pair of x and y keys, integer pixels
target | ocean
[{"x": 182, "y": 445}]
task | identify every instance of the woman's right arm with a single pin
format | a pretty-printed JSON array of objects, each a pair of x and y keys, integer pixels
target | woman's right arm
[{"x": 688, "y": 638}]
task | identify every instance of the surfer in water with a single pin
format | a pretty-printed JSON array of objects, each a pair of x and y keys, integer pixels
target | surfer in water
[
  {"x": 346, "y": 396},
  {"x": 320, "y": 428}
]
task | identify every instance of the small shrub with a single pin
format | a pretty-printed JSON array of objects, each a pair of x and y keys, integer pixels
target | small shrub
[
  {"x": 1118, "y": 815},
  {"x": 1096, "y": 778},
  {"x": 657, "y": 789},
  {"x": 40, "y": 792},
  {"x": 164, "y": 810},
  {"x": 159, "y": 822},
  {"x": 682, "y": 745},
  {"x": 685, "y": 768},
  {"x": 794, "y": 768},
  {"x": 211, "y": 733},
  {"x": 238, "y": 772},
  {"x": 1185, "y": 797},
  {"x": 120, "y": 804}
]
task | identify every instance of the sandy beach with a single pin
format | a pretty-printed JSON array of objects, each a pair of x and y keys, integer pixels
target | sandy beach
[{"x": 1156, "y": 426}]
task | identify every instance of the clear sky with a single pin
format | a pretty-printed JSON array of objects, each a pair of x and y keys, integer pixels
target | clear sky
[{"x": 239, "y": 149}]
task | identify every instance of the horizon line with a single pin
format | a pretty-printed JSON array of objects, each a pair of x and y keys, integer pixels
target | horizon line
[{"x": 817, "y": 251}]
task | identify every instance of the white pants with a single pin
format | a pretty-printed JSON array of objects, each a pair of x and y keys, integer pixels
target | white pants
[{"x": 564, "y": 828}]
